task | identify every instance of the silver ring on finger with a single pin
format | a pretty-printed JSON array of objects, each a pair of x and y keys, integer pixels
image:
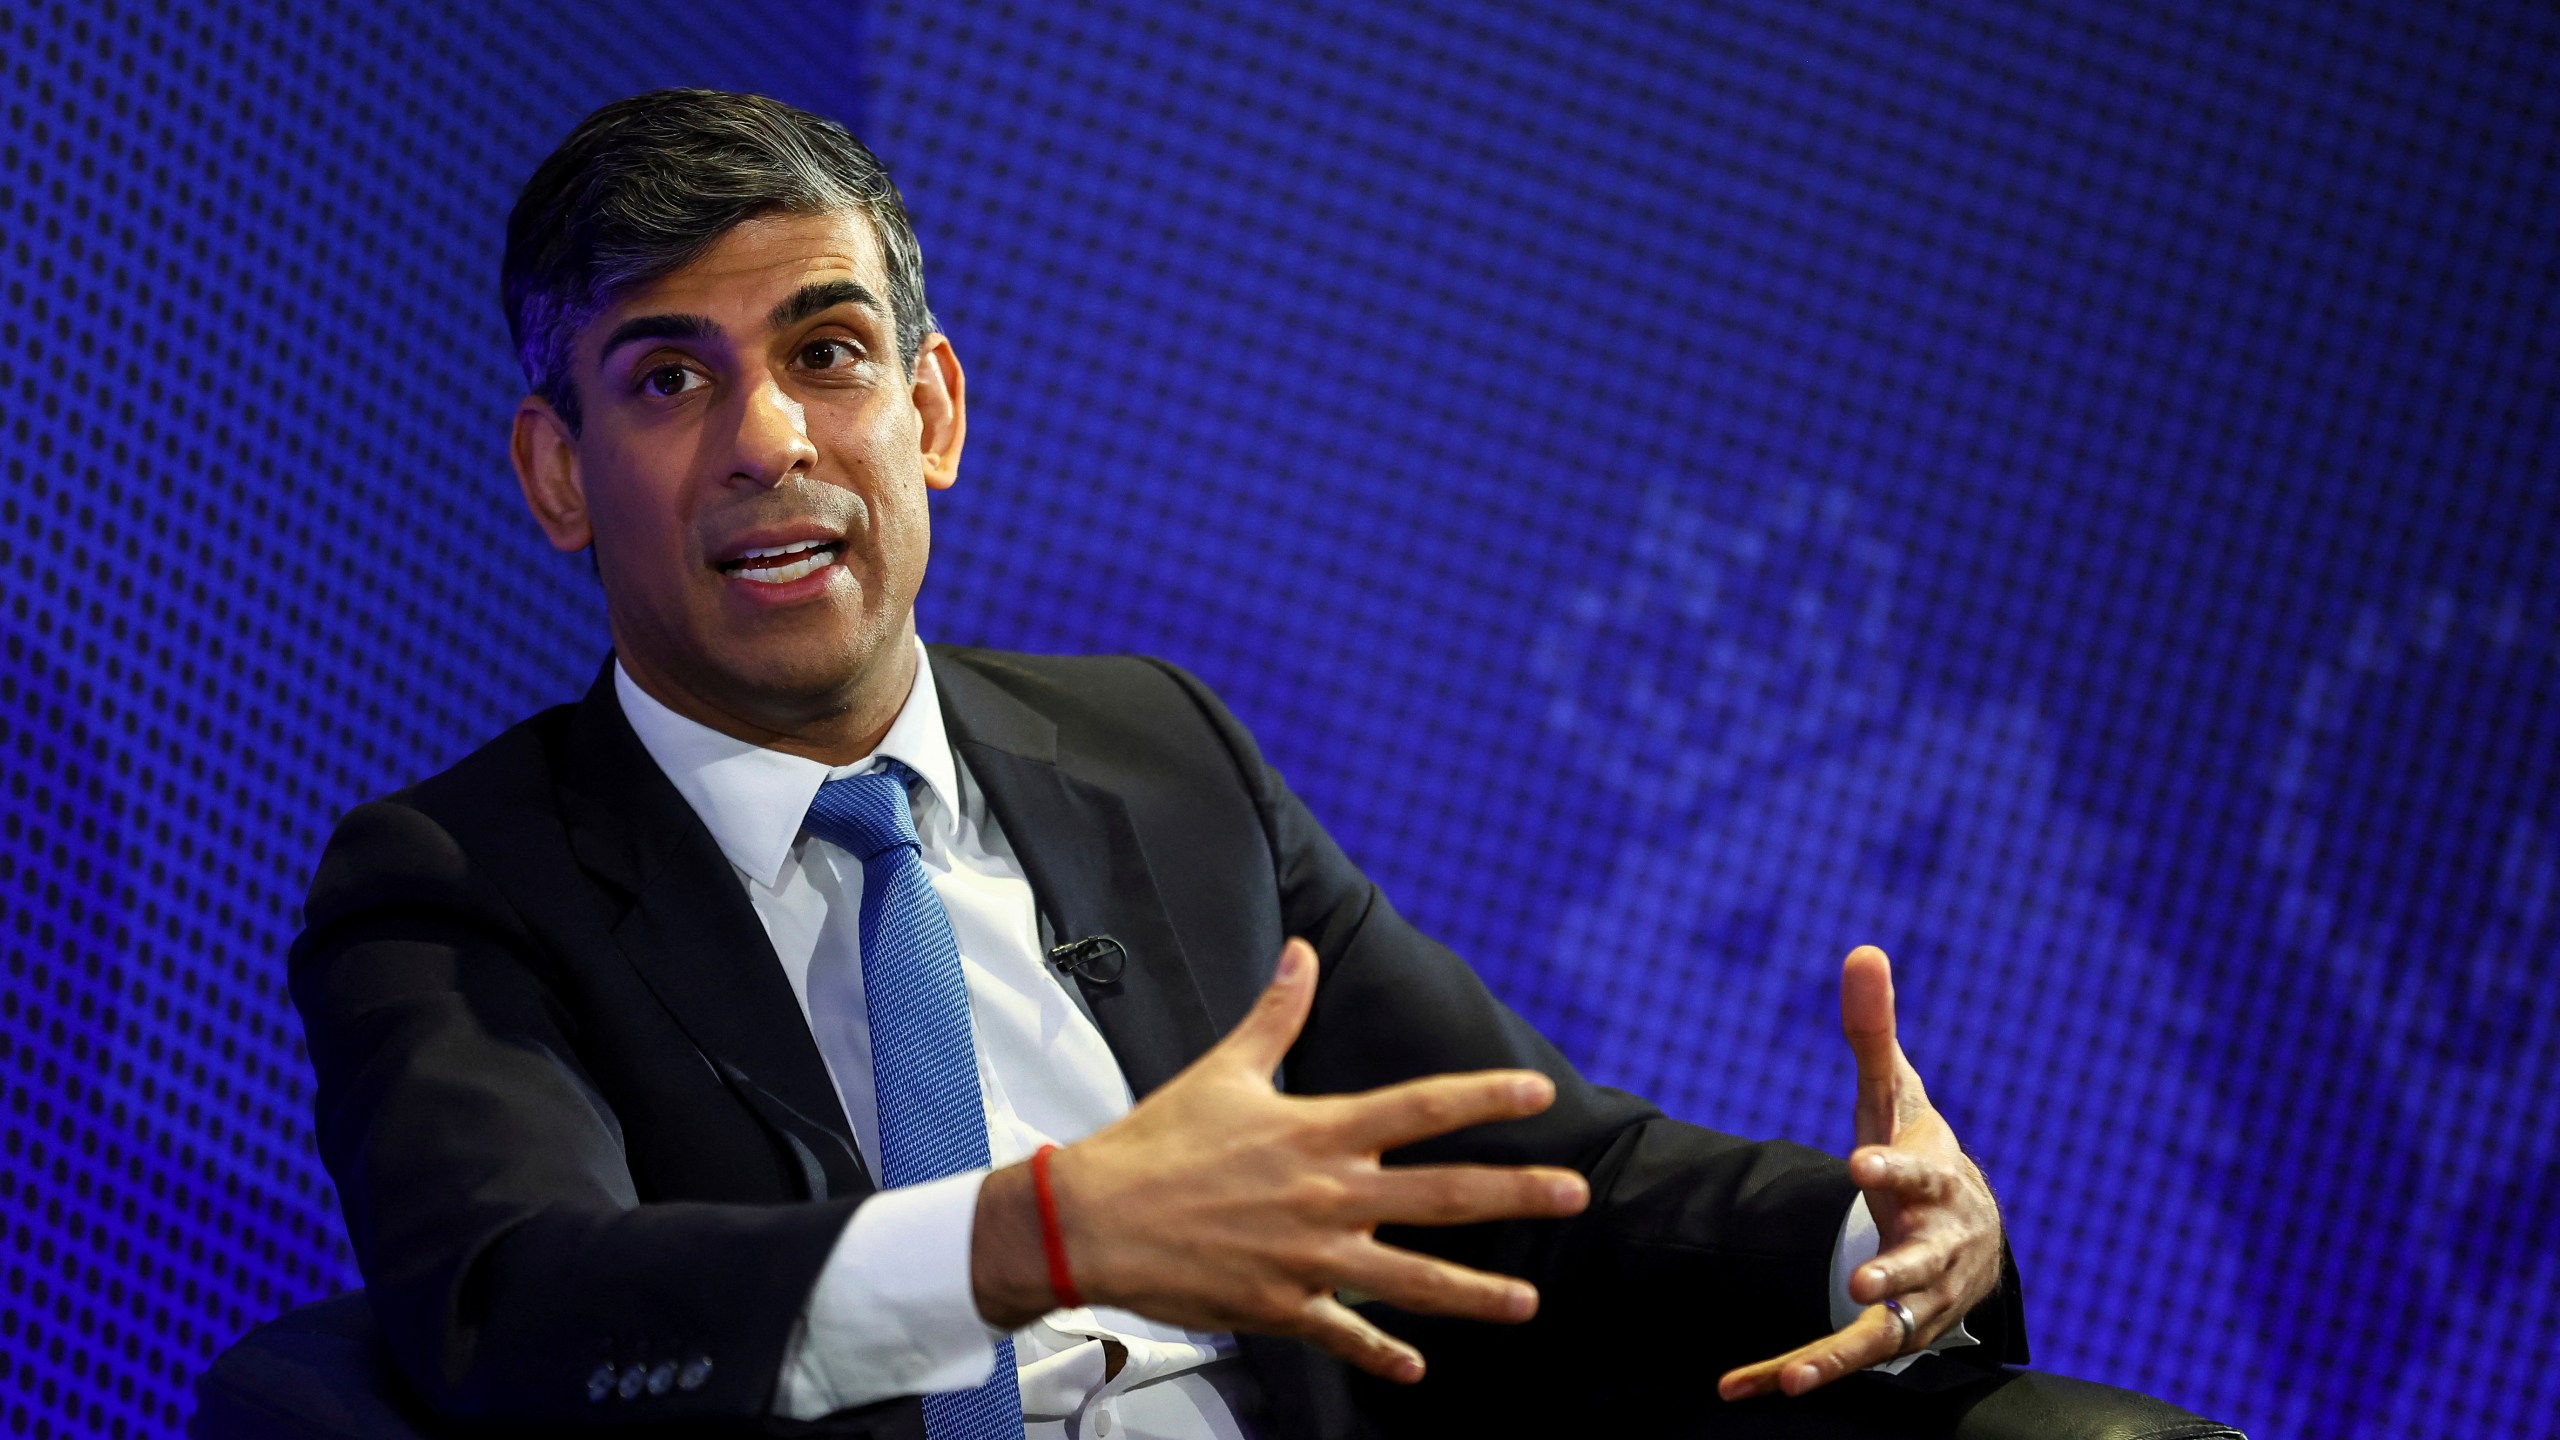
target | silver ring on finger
[{"x": 1910, "y": 1327}]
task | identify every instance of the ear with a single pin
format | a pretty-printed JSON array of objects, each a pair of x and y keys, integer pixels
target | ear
[
  {"x": 546, "y": 457},
  {"x": 941, "y": 395}
]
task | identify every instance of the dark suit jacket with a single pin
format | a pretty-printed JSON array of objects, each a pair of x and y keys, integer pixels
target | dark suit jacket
[{"x": 576, "y": 1117}]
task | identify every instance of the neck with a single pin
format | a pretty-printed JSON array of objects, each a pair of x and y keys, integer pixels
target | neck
[{"x": 840, "y": 728}]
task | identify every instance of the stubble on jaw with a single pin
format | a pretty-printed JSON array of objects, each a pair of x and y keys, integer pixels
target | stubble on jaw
[{"x": 826, "y": 680}]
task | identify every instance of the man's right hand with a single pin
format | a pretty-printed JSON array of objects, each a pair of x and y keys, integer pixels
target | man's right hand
[{"x": 1218, "y": 1203}]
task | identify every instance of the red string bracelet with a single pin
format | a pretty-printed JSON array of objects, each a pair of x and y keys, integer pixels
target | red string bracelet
[{"x": 1053, "y": 1241}]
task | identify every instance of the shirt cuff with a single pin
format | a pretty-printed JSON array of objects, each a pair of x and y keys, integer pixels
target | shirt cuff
[
  {"x": 893, "y": 1312},
  {"x": 1855, "y": 1247}
]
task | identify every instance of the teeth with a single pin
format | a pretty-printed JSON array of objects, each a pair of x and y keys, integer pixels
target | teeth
[
  {"x": 785, "y": 574},
  {"x": 778, "y": 549}
]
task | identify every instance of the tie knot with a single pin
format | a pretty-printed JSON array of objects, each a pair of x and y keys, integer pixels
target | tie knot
[{"x": 865, "y": 814}]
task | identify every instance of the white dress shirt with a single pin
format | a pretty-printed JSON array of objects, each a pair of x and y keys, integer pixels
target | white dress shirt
[{"x": 893, "y": 1311}]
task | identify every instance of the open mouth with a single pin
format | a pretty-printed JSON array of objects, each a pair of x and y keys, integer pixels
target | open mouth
[{"x": 780, "y": 564}]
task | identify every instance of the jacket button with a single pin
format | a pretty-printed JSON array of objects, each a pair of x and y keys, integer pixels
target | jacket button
[
  {"x": 695, "y": 1372},
  {"x": 632, "y": 1379},
  {"x": 662, "y": 1377},
  {"x": 600, "y": 1384}
]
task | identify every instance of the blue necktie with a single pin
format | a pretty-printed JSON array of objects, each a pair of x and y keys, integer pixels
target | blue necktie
[{"x": 924, "y": 1061}]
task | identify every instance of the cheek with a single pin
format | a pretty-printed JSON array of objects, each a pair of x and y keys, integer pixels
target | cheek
[
  {"x": 871, "y": 432},
  {"x": 875, "y": 453},
  {"x": 636, "y": 499},
  {"x": 641, "y": 548}
]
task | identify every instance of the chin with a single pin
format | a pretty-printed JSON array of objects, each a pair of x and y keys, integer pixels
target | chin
[{"x": 814, "y": 673}]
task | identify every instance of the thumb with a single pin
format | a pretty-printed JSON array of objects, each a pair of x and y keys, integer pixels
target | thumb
[
  {"x": 1866, "y": 1018},
  {"x": 1268, "y": 1030}
]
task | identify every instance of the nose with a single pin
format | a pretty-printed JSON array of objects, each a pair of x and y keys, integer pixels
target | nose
[{"x": 773, "y": 436}]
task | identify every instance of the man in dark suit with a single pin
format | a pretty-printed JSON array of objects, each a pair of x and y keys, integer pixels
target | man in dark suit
[{"x": 810, "y": 1027}]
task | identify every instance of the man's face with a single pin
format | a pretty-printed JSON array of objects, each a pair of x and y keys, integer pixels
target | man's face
[{"x": 752, "y": 471}]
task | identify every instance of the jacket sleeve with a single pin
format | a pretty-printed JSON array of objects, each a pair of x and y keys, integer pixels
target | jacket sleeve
[
  {"x": 1715, "y": 1248},
  {"x": 511, "y": 1266}
]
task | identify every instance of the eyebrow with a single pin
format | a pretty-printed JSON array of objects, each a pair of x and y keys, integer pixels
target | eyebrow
[
  {"x": 802, "y": 303},
  {"x": 658, "y": 327},
  {"x": 824, "y": 295}
]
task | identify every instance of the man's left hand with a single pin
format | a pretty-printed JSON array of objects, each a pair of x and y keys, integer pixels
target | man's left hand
[{"x": 1938, "y": 1228}]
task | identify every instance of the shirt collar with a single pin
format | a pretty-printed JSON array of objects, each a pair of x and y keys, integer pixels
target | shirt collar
[{"x": 753, "y": 800}]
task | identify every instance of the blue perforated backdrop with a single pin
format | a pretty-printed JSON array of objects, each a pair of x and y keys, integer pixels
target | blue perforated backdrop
[{"x": 2067, "y": 494}]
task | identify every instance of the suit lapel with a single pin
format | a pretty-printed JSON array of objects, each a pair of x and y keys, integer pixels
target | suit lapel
[
  {"x": 1080, "y": 850},
  {"x": 693, "y": 936}
]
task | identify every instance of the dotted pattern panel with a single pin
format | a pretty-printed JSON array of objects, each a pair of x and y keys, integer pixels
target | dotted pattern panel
[
  {"x": 263, "y": 559},
  {"x": 2064, "y": 492},
  {"x": 2066, "y": 495}
]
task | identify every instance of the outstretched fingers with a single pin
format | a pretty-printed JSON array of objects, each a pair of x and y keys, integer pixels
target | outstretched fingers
[
  {"x": 1466, "y": 1194},
  {"x": 1914, "y": 1265},
  {"x": 1383, "y": 1119},
  {"x": 1871, "y": 1339},
  {"x": 1908, "y": 1175},
  {"x": 1347, "y": 1335},
  {"x": 1428, "y": 1285}
]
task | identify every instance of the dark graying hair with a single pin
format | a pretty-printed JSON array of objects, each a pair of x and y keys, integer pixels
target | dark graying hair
[{"x": 645, "y": 185}]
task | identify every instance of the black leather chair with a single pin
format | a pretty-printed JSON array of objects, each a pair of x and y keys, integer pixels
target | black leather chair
[{"x": 320, "y": 1373}]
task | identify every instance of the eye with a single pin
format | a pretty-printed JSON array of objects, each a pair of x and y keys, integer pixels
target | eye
[
  {"x": 832, "y": 353},
  {"x": 670, "y": 380}
]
